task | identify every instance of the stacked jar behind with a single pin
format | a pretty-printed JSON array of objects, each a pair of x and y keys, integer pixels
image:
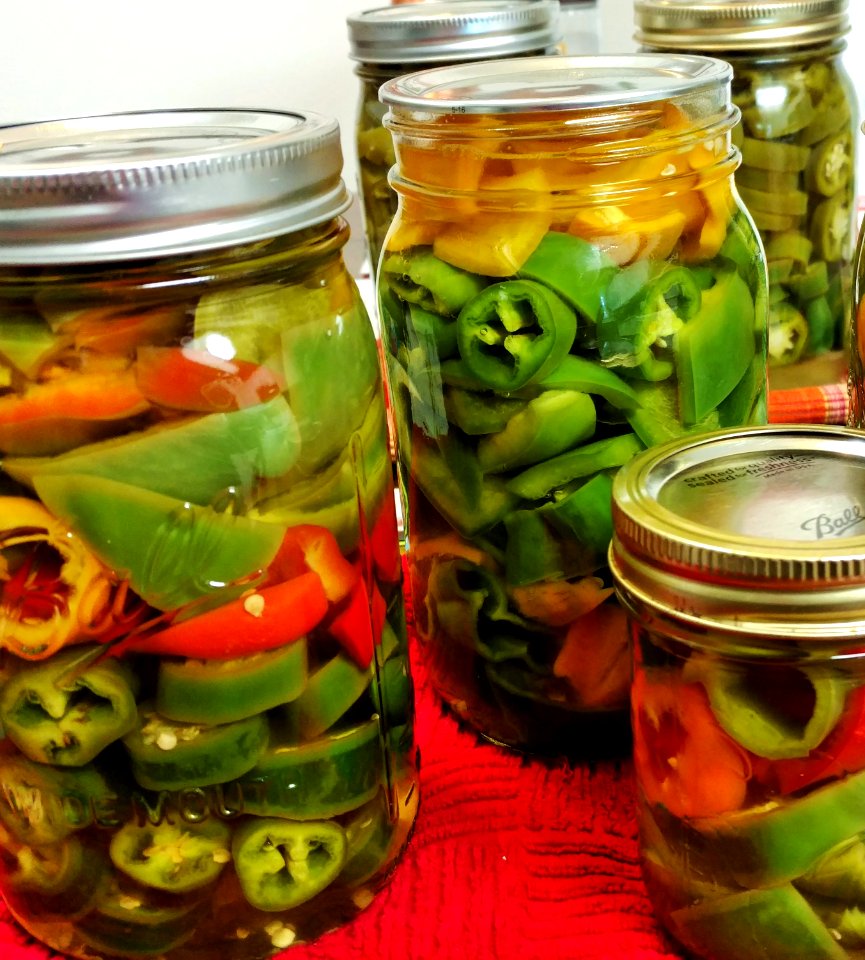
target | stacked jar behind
[
  {"x": 206, "y": 709},
  {"x": 570, "y": 278},
  {"x": 390, "y": 41},
  {"x": 798, "y": 143}
]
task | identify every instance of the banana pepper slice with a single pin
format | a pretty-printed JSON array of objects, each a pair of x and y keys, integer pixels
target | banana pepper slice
[{"x": 51, "y": 586}]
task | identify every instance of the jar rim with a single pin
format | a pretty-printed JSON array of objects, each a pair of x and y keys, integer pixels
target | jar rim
[
  {"x": 129, "y": 185},
  {"x": 554, "y": 83}
]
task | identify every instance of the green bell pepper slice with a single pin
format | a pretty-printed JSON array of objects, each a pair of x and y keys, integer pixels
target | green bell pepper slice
[
  {"x": 577, "y": 270},
  {"x": 281, "y": 864},
  {"x": 478, "y": 412},
  {"x": 658, "y": 419},
  {"x": 645, "y": 305},
  {"x": 715, "y": 347},
  {"x": 332, "y": 690},
  {"x": 172, "y": 755},
  {"x": 323, "y": 778},
  {"x": 756, "y": 924},
  {"x": 172, "y": 551},
  {"x": 775, "y": 711},
  {"x": 538, "y": 481},
  {"x": 588, "y": 376},
  {"x": 329, "y": 408},
  {"x": 775, "y": 843},
  {"x": 450, "y": 477},
  {"x": 541, "y": 546},
  {"x": 195, "y": 460},
  {"x": 421, "y": 278},
  {"x": 57, "y": 714},
  {"x": 175, "y": 857},
  {"x": 436, "y": 333},
  {"x": 586, "y": 514},
  {"x": 514, "y": 333},
  {"x": 221, "y": 691},
  {"x": 552, "y": 423}
]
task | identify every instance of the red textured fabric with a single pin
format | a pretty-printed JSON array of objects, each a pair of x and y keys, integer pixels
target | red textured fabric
[{"x": 510, "y": 859}]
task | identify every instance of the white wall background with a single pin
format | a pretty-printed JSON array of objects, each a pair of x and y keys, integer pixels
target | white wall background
[{"x": 65, "y": 58}]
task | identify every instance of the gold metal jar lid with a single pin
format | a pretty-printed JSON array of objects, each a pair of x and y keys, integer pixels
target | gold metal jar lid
[
  {"x": 143, "y": 184},
  {"x": 738, "y": 24},
  {"x": 756, "y": 531},
  {"x": 453, "y": 31}
]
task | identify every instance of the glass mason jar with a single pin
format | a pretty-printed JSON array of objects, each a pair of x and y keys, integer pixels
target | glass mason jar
[
  {"x": 581, "y": 27},
  {"x": 389, "y": 41},
  {"x": 206, "y": 707},
  {"x": 740, "y": 557},
  {"x": 570, "y": 277},
  {"x": 798, "y": 141}
]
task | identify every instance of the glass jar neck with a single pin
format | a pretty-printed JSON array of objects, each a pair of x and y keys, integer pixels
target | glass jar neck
[
  {"x": 299, "y": 252},
  {"x": 611, "y": 153}
]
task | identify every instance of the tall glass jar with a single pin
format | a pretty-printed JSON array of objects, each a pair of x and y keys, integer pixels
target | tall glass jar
[
  {"x": 570, "y": 278},
  {"x": 581, "y": 27},
  {"x": 740, "y": 557},
  {"x": 207, "y": 744},
  {"x": 798, "y": 143},
  {"x": 389, "y": 41}
]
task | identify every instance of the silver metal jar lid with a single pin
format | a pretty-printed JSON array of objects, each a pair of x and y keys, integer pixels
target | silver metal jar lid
[
  {"x": 554, "y": 83},
  {"x": 738, "y": 24},
  {"x": 147, "y": 184},
  {"x": 452, "y": 32},
  {"x": 756, "y": 530}
]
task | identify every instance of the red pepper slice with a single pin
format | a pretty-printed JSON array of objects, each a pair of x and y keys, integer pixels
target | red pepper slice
[
  {"x": 384, "y": 543},
  {"x": 184, "y": 378},
  {"x": 684, "y": 760},
  {"x": 258, "y": 621},
  {"x": 357, "y": 626},
  {"x": 840, "y": 753},
  {"x": 59, "y": 414},
  {"x": 308, "y": 546}
]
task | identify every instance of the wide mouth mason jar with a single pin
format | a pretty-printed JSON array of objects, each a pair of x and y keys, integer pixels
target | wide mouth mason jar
[
  {"x": 740, "y": 557},
  {"x": 570, "y": 277},
  {"x": 389, "y": 41},
  {"x": 206, "y": 708},
  {"x": 798, "y": 138}
]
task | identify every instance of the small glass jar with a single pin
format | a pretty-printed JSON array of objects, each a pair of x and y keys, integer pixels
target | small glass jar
[
  {"x": 569, "y": 278},
  {"x": 206, "y": 708},
  {"x": 581, "y": 27},
  {"x": 798, "y": 143},
  {"x": 740, "y": 557},
  {"x": 389, "y": 41}
]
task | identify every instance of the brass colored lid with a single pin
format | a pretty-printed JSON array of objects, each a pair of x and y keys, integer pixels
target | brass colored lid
[
  {"x": 757, "y": 530},
  {"x": 710, "y": 25}
]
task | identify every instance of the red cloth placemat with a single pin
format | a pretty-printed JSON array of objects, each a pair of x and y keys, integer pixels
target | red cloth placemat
[{"x": 510, "y": 859}]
